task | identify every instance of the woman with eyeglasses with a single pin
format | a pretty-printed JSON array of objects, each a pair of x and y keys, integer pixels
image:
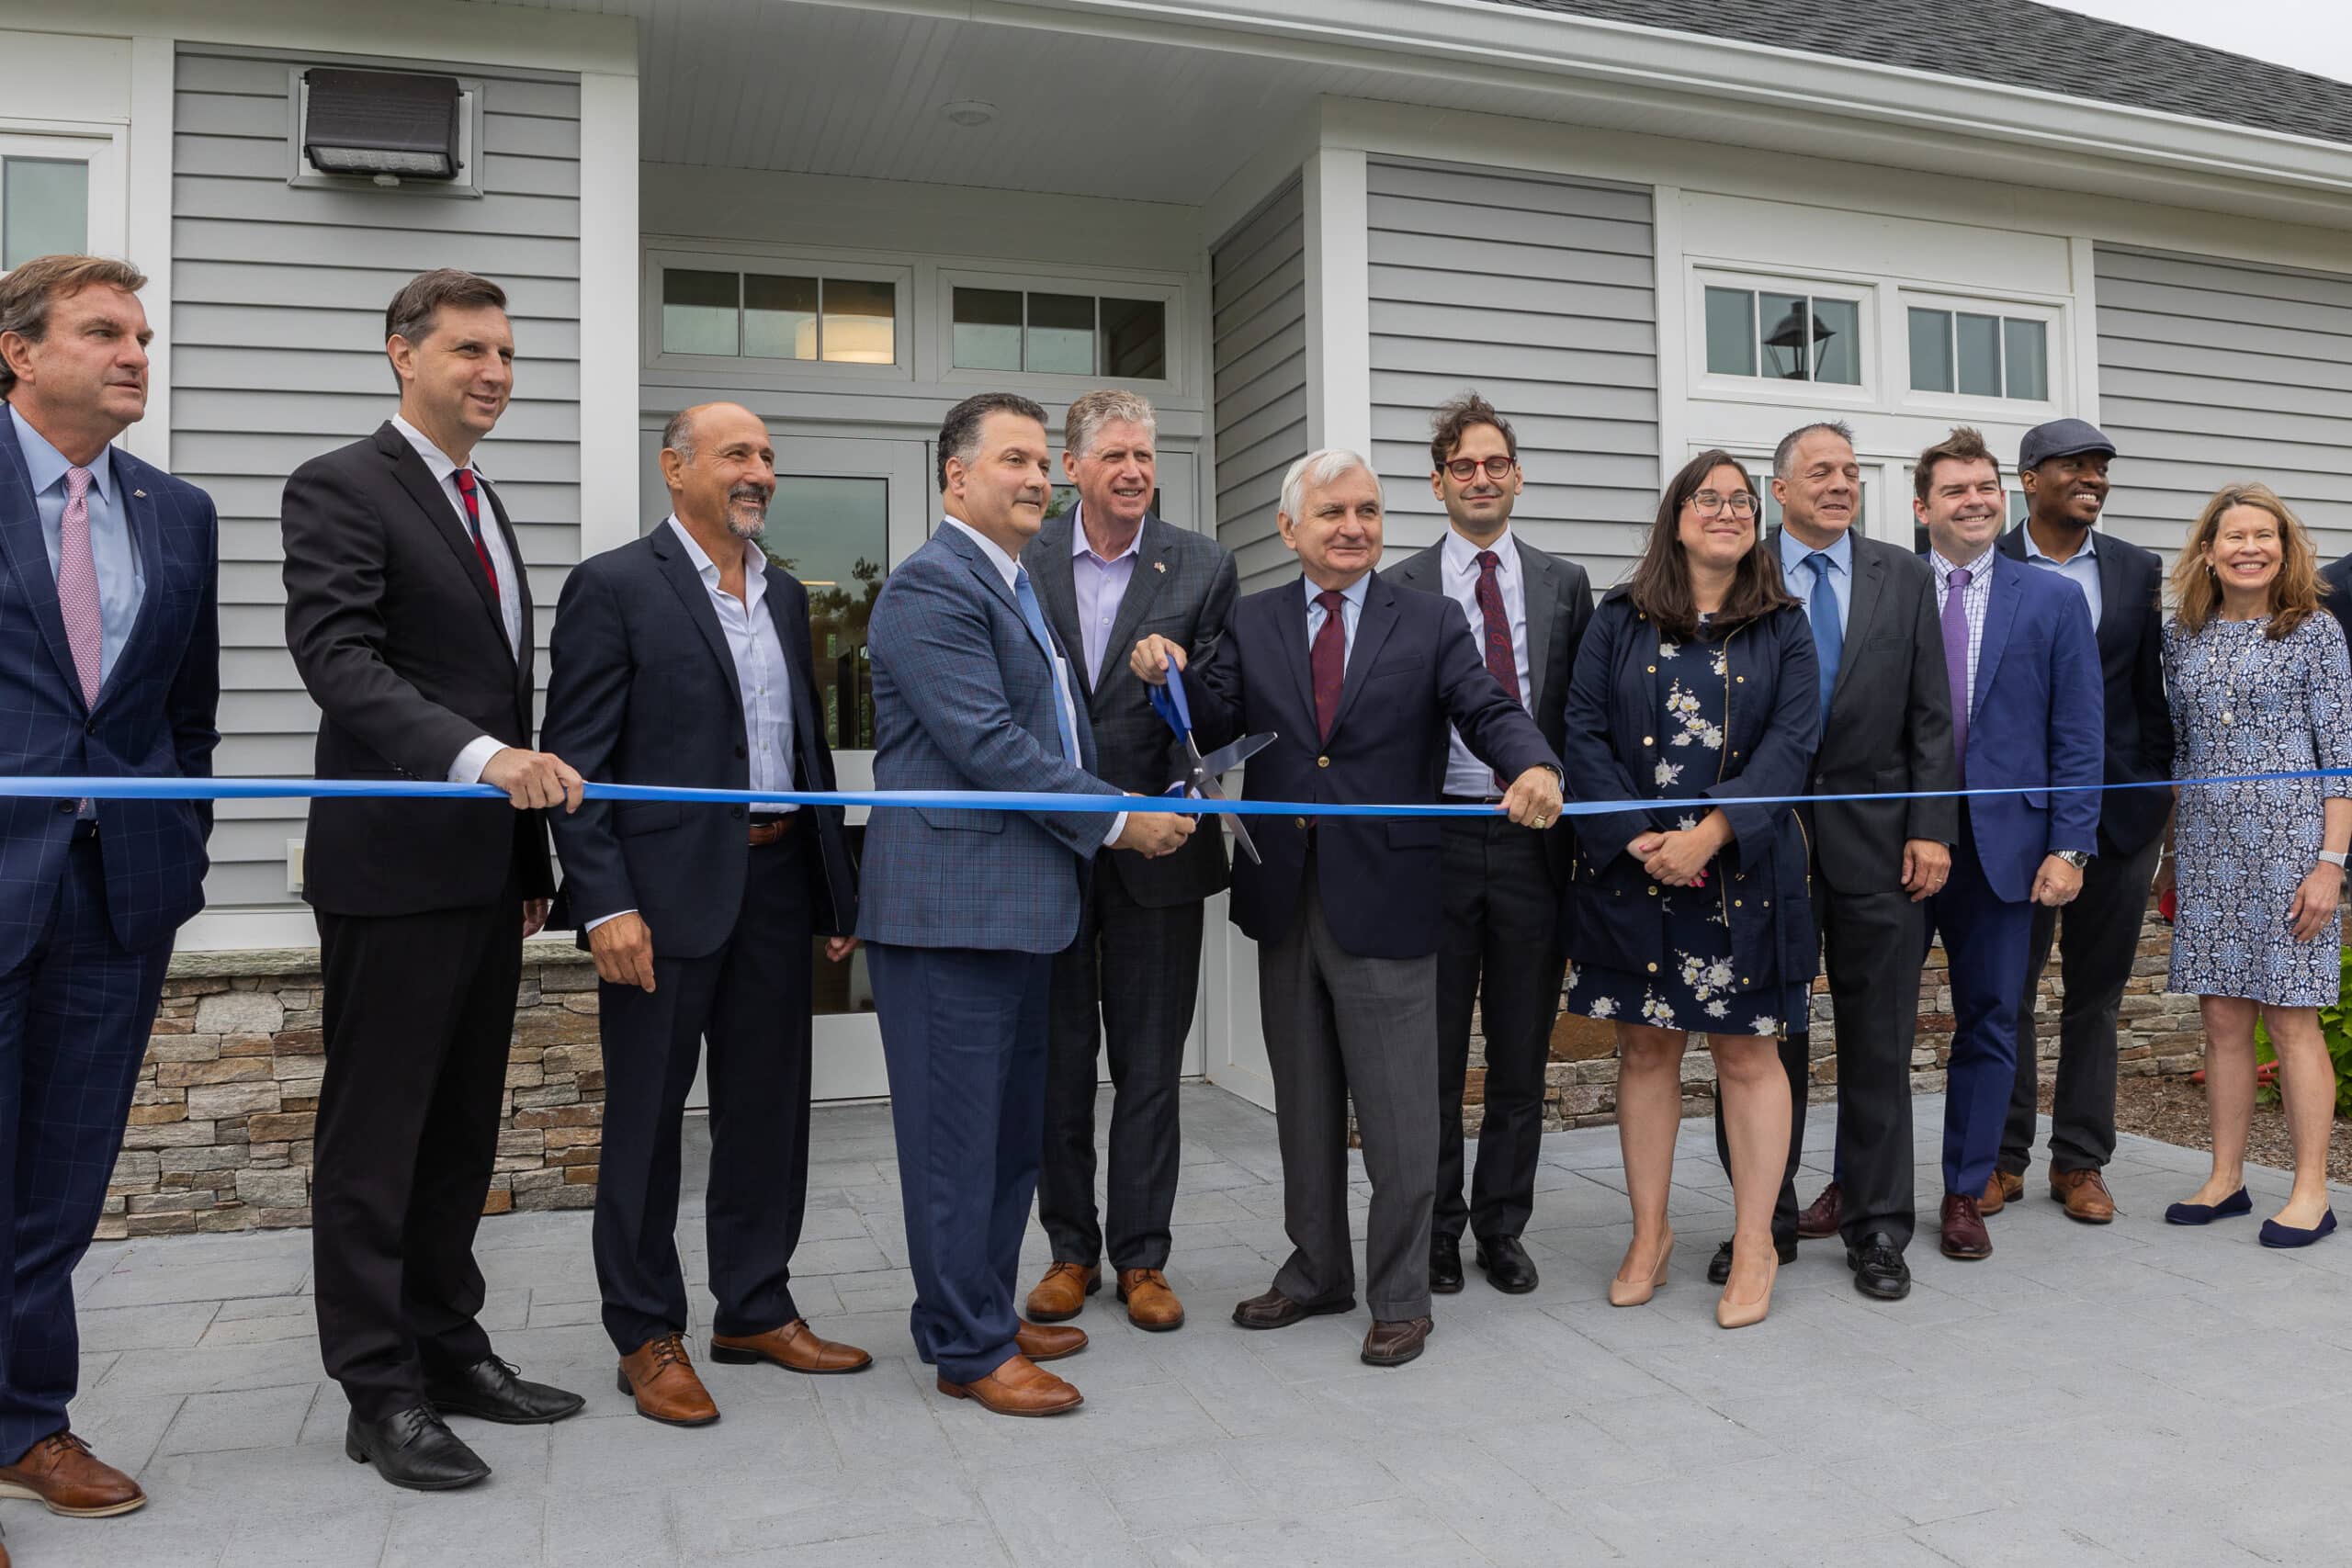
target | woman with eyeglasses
[
  {"x": 1695, "y": 692},
  {"x": 2259, "y": 683}
]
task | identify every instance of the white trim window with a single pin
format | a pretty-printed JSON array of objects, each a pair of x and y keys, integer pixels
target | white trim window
[
  {"x": 59, "y": 192},
  {"x": 1056, "y": 332},
  {"x": 1977, "y": 351},
  {"x": 1782, "y": 338},
  {"x": 777, "y": 313}
]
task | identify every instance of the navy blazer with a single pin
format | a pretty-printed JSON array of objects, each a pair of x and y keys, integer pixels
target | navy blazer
[
  {"x": 2129, "y": 639},
  {"x": 155, "y": 716},
  {"x": 1413, "y": 670},
  {"x": 642, "y": 689},
  {"x": 2038, "y": 720},
  {"x": 963, "y": 700},
  {"x": 1616, "y": 701},
  {"x": 2336, "y": 592}
]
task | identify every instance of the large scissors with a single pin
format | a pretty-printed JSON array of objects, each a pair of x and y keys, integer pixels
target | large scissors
[{"x": 1200, "y": 773}]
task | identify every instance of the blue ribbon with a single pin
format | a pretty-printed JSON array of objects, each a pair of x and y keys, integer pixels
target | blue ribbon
[{"x": 59, "y": 788}]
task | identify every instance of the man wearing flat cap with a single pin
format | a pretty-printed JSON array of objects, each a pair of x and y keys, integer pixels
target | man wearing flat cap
[{"x": 2063, "y": 467}]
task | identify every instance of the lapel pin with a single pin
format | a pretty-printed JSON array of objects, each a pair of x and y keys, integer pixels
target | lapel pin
[
  {"x": 1160, "y": 565},
  {"x": 139, "y": 494}
]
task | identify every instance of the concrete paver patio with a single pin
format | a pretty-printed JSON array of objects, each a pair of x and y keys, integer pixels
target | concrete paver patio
[{"x": 2131, "y": 1394}]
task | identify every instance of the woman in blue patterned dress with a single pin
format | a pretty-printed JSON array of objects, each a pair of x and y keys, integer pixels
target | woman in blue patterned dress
[
  {"x": 1695, "y": 689},
  {"x": 2259, "y": 683}
]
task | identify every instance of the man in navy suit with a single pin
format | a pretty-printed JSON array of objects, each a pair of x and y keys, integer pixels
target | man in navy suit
[
  {"x": 683, "y": 659},
  {"x": 2026, "y": 716},
  {"x": 109, "y": 664},
  {"x": 963, "y": 909},
  {"x": 1358, "y": 680}
]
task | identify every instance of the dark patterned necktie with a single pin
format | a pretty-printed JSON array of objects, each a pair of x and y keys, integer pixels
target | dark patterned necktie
[
  {"x": 1499, "y": 659},
  {"x": 465, "y": 477},
  {"x": 1327, "y": 661}
]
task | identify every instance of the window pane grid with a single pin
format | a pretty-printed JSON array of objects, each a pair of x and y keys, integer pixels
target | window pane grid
[
  {"x": 1044, "y": 333},
  {"x": 1978, "y": 355},
  {"x": 1781, "y": 336},
  {"x": 753, "y": 315}
]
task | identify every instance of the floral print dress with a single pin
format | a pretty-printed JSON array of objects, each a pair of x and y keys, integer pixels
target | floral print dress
[
  {"x": 1693, "y": 987},
  {"x": 2244, "y": 704}
]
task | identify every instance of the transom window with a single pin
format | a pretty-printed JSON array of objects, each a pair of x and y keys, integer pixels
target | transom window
[
  {"x": 1060, "y": 334},
  {"x": 1779, "y": 337},
  {"x": 758, "y": 315},
  {"x": 1977, "y": 355}
]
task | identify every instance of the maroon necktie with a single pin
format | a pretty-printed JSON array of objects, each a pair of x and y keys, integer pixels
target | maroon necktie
[
  {"x": 465, "y": 477},
  {"x": 1327, "y": 661},
  {"x": 1504, "y": 667}
]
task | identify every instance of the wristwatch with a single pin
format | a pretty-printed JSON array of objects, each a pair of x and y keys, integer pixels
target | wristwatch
[
  {"x": 2076, "y": 858},
  {"x": 2334, "y": 857}
]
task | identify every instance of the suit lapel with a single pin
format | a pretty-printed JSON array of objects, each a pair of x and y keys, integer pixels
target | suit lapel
[
  {"x": 1153, "y": 548},
  {"x": 1054, "y": 579},
  {"x": 686, "y": 582},
  {"x": 526, "y": 652},
  {"x": 1539, "y": 581},
  {"x": 792, "y": 636},
  {"x": 977, "y": 561},
  {"x": 2000, "y": 619},
  {"x": 147, "y": 538},
  {"x": 1373, "y": 624},
  {"x": 28, "y": 557},
  {"x": 442, "y": 513},
  {"x": 2112, "y": 627},
  {"x": 1870, "y": 582}
]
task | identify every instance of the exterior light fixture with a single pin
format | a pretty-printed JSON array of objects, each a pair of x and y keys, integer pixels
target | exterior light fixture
[{"x": 382, "y": 124}]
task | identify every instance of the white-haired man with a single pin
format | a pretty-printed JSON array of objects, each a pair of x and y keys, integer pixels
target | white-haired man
[{"x": 1358, "y": 682}]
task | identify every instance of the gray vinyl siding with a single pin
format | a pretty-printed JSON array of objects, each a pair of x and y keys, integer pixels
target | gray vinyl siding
[
  {"x": 1541, "y": 294},
  {"x": 1258, "y": 363},
  {"x": 276, "y": 335},
  {"x": 2213, "y": 370}
]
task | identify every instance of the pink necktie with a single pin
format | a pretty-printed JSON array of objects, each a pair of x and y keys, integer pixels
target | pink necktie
[{"x": 78, "y": 584}]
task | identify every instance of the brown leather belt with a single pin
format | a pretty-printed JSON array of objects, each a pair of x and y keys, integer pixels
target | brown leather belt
[{"x": 766, "y": 830}]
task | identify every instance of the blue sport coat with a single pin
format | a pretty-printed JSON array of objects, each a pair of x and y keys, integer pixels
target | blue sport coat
[
  {"x": 155, "y": 716},
  {"x": 1414, "y": 669},
  {"x": 2040, "y": 720},
  {"x": 963, "y": 700}
]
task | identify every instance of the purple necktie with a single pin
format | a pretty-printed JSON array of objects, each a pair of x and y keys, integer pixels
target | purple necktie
[
  {"x": 1956, "y": 661},
  {"x": 77, "y": 586},
  {"x": 1327, "y": 661}
]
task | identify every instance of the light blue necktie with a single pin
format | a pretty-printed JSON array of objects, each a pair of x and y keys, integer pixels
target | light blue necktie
[
  {"x": 1828, "y": 637},
  {"x": 1028, "y": 599}
]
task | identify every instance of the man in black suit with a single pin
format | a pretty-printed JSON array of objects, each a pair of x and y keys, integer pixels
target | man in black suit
[
  {"x": 2063, "y": 468},
  {"x": 409, "y": 617},
  {"x": 2337, "y": 596},
  {"x": 1358, "y": 682},
  {"x": 1108, "y": 570},
  {"x": 1500, "y": 949},
  {"x": 683, "y": 659},
  {"x": 1886, "y": 729}
]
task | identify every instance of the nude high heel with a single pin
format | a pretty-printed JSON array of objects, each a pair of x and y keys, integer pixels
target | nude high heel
[
  {"x": 1634, "y": 1293},
  {"x": 1728, "y": 1316}
]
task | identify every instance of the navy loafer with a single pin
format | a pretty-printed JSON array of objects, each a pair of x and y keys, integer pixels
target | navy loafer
[
  {"x": 2235, "y": 1204},
  {"x": 2275, "y": 1234}
]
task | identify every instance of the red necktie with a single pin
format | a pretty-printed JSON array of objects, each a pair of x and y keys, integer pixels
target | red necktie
[
  {"x": 1491, "y": 604},
  {"x": 465, "y": 477},
  {"x": 1327, "y": 661}
]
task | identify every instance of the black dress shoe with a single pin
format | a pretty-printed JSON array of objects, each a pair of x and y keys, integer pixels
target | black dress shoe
[
  {"x": 490, "y": 1390},
  {"x": 1507, "y": 1267},
  {"x": 414, "y": 1447},
  {"x": 1719, "y": 1266},
  {"x": 1445, "y": 1264},
  {"x": 1878, "y": 1269}
]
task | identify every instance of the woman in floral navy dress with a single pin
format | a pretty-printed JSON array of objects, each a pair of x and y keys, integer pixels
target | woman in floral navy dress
[
  {"x": 2259, "y": 683},
  {"x": 1695, "y": 688}
]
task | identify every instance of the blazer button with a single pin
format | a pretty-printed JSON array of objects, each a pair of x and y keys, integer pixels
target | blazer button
[
  {"x": 1302, "y": 821},
  {"x": 1653, "y": 889},
  {"x": 1652, "y": 968},
  {"x": 1740, "y": 680},
  {"x": 1653, "y": 669},
  {"x": 736, "y": 811},
  {"x": 91, "y": 727},
  {"x": 1322, "y": 761},
  {"x": 1648, "y": 740},
  {"x": 739, "y": 752},
  {"x": 69, "y": 807},
  {"x": 1737, "y": 904}
]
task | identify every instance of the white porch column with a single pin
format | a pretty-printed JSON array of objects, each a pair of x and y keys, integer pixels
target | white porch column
[
  {"x": 1339, "y": 300},
  {"x": 610, "y": 329}
]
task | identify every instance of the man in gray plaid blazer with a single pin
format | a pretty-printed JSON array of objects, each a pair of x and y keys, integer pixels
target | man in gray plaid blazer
[
  {"x": 1110, "y": 572},
  {"x": 963, "y": 909}
]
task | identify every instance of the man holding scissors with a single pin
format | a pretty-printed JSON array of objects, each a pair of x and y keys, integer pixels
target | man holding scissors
[
  {"x": 1358, "y": 683},
  {"x": 1106, "y": 570}
]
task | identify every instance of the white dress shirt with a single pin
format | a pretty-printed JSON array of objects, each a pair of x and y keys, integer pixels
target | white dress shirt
[
  {"x": 1975, "y": 597},
  {"x": 1101, "y": 587},
  {"x": 470, "y": 762},
  {"x": 1009, "y": 570},
  {"x": 2081, "y": 568},
  {"x": 1464, "y": 774}
]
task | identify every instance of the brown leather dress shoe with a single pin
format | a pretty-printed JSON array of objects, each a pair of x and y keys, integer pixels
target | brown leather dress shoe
[
  {"x": 1275, "y": 1310},
  {"x": 1995, "y": 1197},
  {"x": 662, "y": 1381},
  {"x": 1963, "y": 1227},
  {"x": 1393, "y": 1343},
  {"x": 64, "y": 1477},
  {"x": 2012, "y": 1185},
  {"x": 1151, "y": 1305},
  {"x": 1821, "y": 1218},
  {"x": 2085, "y": 1194},
  {"x": 1019, "y": 1387},
  {"x": 1061, "y": 1294},
  {"x": 795, "y": 1347},
  {"x": 1042, "y": 1344}
]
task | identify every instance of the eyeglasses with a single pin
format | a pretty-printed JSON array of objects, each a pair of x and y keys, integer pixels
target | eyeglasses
[
  {"x": 1708, "y": 503},
  {"x": 1465, "y": 470}
]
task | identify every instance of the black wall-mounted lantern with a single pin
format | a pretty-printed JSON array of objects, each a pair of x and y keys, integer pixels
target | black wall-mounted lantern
[{"x": 381, "y": 123}]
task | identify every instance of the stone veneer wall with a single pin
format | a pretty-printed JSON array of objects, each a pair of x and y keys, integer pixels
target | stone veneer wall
[{"x": 221, "y": 1119}]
